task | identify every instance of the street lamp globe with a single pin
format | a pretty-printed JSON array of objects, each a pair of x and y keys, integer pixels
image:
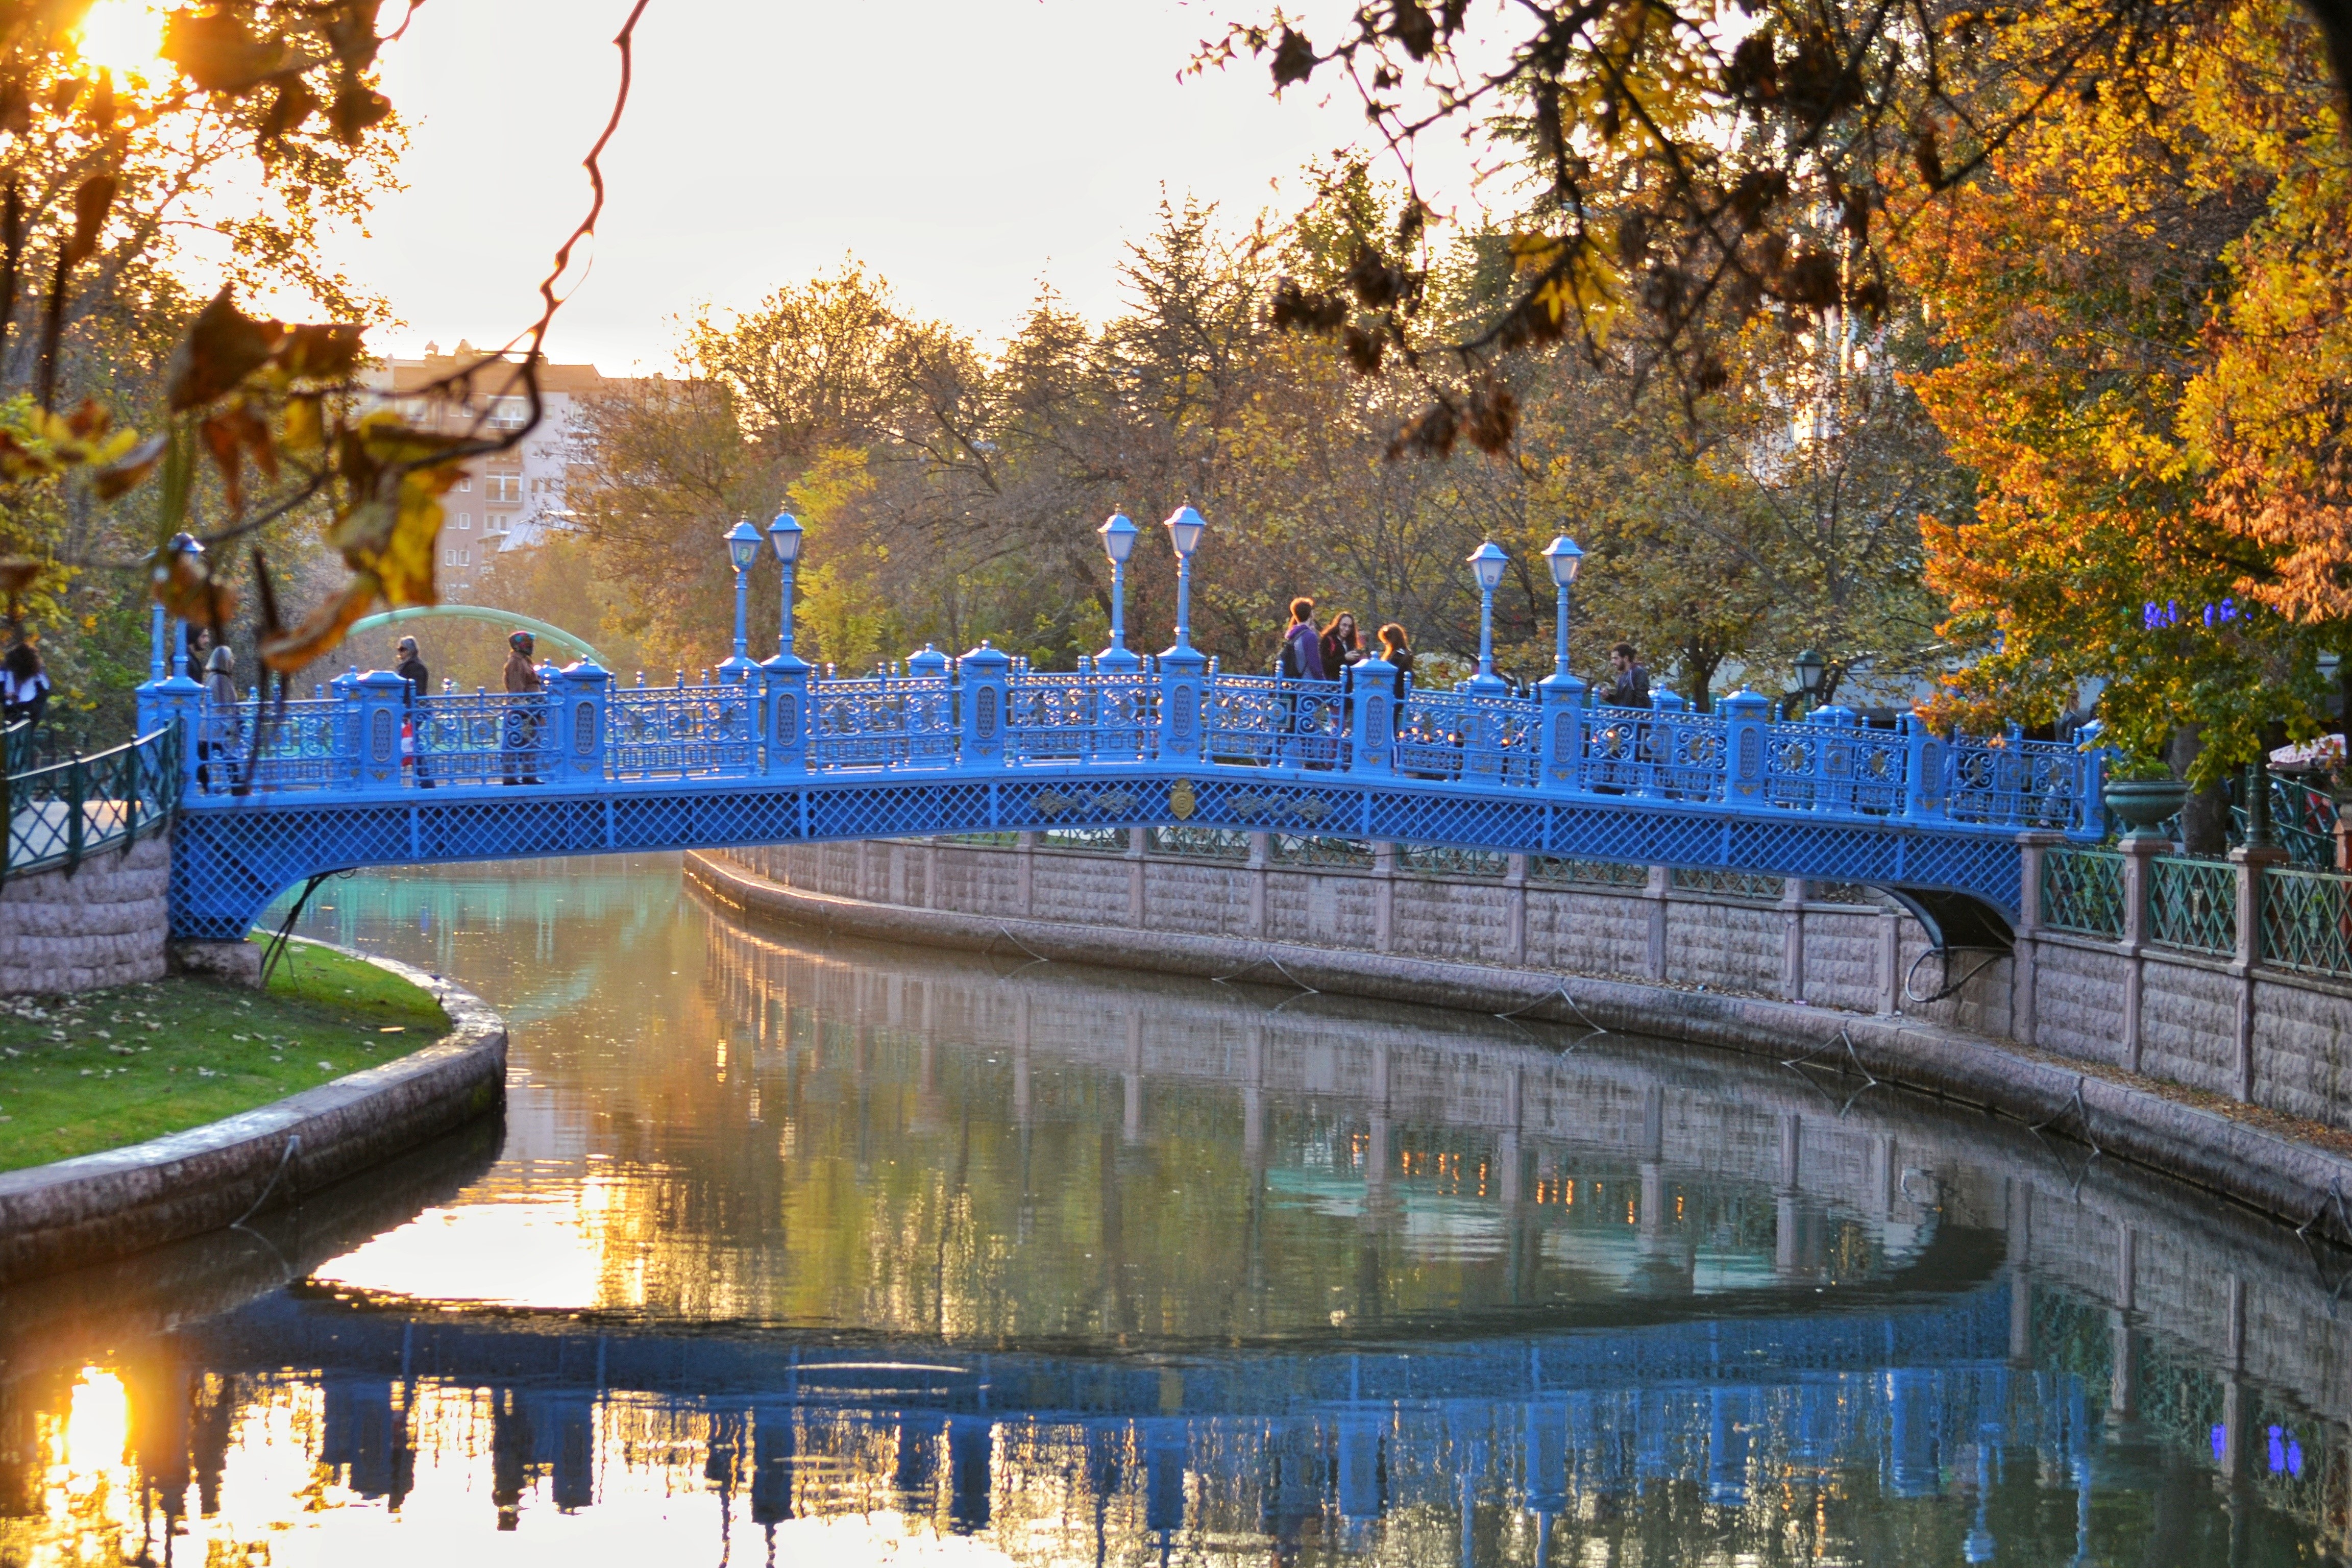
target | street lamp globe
[
  {"x": 1565, "y": 559},
  {"x": 1119, "y": 534},
  {"x": 1487, "y": 564},
  {"x": 743, "y": 545},
  {"x": 784, "y": 537},
  {"x": 1184, "y": 526},
  {"x": 1810, "y": 668}
]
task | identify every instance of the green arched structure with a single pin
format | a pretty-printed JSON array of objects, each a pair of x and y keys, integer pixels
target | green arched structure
[{"x": 556, "y": 635}]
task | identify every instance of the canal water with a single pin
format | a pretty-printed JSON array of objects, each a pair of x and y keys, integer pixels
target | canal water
[{"x": 791, "y": 1250}]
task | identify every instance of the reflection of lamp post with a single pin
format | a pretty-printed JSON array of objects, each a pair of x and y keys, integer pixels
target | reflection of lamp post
[
  {"x": 742, "y": 549},
  {"x": 1487, "y": 564},
  {"x": 1564, "y": 558},
  {"x": 784, "y": 539},
  {"x": 1119, "y": 537},
  {"x": 1811, "y": 668},
  {"x": 1184, "y": 526}
]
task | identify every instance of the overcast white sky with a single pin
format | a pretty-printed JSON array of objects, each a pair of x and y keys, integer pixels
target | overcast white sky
[{"x": 965, "y": 149}]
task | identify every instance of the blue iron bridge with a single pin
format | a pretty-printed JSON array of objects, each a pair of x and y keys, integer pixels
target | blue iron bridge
[{"x": 369, "y": 772}]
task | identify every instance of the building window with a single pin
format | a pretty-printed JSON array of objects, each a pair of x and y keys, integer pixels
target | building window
[
  {"x": 505, "y": 487},
  {"x": 465, "y": 483},
  {"x": 464, "y": 522},
  {"x": 510, "y": 413}
]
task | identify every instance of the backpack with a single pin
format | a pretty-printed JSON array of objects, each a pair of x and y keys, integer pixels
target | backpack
[{"x": 1286, "y": 666}]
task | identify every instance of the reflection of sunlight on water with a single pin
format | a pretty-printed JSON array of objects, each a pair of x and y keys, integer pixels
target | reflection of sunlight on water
[
  {"x": 98, "y": 1423},
  {"x": 546, "y": 1253}
]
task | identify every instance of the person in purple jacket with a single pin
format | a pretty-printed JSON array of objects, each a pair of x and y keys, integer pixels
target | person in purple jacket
[{"x": 1302, "y": 645}]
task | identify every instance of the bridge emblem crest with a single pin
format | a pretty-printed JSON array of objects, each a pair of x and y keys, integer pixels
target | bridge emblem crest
[{"x": 1180, "y": 801}]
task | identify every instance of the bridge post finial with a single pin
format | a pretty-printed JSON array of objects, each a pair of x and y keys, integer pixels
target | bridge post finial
[
  {"x": 583, "y": 692},
  {"x": 1560, "y": 745},
  {"x": 1374, "y": 688},
  {"x": 1924, "y": 764},
  {"x": 983, "y": 673},
  {"x": 1746, "y": 717}
]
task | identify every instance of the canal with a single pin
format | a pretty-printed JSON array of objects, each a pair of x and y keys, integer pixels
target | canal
[{"x": 793, "y": 1250}]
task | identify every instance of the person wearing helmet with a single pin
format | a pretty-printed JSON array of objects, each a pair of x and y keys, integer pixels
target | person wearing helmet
[{"x": 523, "y": 717}]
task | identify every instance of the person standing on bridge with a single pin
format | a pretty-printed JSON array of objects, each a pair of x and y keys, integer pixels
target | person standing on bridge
[
  {"x": 1631, "y": 686},
  {"x": 412, "y": 669},
  {"x": 523, "y": 717},
  {"x": 24, "y": 685}
]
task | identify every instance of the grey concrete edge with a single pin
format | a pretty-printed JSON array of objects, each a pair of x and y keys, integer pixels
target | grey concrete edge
[
  {"x": 2278, "y": 1176},
  {"x": 110, "y": 1204}
]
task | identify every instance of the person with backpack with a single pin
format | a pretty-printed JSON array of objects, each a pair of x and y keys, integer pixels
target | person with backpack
[
  {"x": 524, "y": 718},
  {"x": 1301, "y": 658}
]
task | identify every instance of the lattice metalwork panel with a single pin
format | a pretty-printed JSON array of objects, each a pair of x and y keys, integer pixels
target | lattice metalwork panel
[
  {"x": 1268, "y": 720},
  {"x": 1445, "y": 861},
  {"x": 1986, "y": 866},
  {"x": 882, "y": 721},
  {"x": 2082, "y": 890},
  {"x": 1728, "y": 884},
  {"x": 1073, "y": 803},
  {"x": 1314, "y": 849},
  {"x": 228, "y": 865},
  {"x": 2193, "y": 904},
  {"x": 2307, "y": 920},
  {"x": 497, "y": 829},
  {"x": 1443, "y": 819},
  {"x": 1201, "y": 843},
  {"x": 1093, "y": 840},
  {"x": 661, "y": 730},
  {"x": 887, "y": 811},
  {"x": 1274, "y": 807},
  {"x": 1603, "y": 833},
  {"x": 1837, "y": 893},
  {"x": 1661, "y": 754},
  {"x": 683, "y": 820},
  {"x": 1587, "y": 873},
  {"x": 1085, "y": 717}
]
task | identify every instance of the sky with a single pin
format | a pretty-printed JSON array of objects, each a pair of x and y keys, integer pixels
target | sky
[{"x": 966, "y": 149}]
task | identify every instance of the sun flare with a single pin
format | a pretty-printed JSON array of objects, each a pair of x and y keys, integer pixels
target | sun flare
[{"x": 125, "y": 35}]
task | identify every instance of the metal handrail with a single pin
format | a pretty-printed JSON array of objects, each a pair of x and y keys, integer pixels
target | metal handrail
[{"x": 66, "y": 812}]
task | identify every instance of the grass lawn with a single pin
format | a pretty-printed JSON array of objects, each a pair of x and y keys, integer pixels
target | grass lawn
[{"x": 79, "y": 1074}]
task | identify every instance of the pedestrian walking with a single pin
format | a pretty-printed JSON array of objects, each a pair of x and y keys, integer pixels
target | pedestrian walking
[
  {"x": 24, "y": 685},
  {"x": 524, "y": 719},
  {"x": 222, "y": 736},
  {"x": 1301, "y": 658},
  {"x": 1397, "y": 650},
  {"x": 412, "y": 669},
  {"x": 1631, "y": 686}
]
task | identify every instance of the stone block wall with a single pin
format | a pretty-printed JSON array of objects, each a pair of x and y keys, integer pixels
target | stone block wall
[
  {"x": 105, "y": 923},
  {"x": 2277, "y": 1039}
]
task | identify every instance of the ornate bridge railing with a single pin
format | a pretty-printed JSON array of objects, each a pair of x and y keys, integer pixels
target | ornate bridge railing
[{"x": 981, "y": 743}]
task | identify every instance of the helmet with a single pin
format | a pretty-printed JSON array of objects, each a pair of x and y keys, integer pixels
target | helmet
[
  {"x": 221, "y": 661},
  {"x": 521, "y": 642}
]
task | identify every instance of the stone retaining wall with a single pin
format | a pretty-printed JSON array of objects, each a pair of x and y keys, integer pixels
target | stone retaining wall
[
  {"x": 103, "y": 923},
  {"x": 97, "y": 1208},
  {"x": 2272, "y": 1037}
]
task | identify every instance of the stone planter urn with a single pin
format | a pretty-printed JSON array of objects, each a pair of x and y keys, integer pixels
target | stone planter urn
[{"x": 2141, "y": 804}]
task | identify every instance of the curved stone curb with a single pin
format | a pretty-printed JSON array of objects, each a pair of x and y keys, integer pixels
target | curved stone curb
[
  {"x": 109, "y": 1205},
  {"x": 2281, "y": 1177}
]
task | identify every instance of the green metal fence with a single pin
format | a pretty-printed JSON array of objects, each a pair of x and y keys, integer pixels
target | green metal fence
[
  {"x": 1728, "y": 884},
  {"x": 2307, "y": 922},
  {"x": 1315, "y": 850},
  {"x": 1095, "y": 840},
  {"x": 1203, "y": 843},
  {"x": 1587, "y": 873},
  {"x": 2193, "y": 904},
  {"x": 63, "y": 814},
  {"x": 2082, "y": 890},
  {"x": 1445, "y": 861}
]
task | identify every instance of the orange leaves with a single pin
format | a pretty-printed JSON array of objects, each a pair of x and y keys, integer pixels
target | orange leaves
[{"x": 319, "y": 632}]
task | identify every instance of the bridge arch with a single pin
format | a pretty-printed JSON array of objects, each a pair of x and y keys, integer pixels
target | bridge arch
[{"x": 541, "y": 629}]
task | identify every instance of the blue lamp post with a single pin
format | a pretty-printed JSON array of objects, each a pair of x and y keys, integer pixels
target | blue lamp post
[
  {"x": 1184, "y": 526},
  {"x": 784, "y": 539},
  {"x": 1565, "y": 559},
  {"x": 1119, "y": 537},
  {"x": 1487, "y": 564},
  {"x": 744, "y": 550}
]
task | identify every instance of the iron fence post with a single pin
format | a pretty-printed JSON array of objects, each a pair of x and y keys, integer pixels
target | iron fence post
[
  {"x": 1560, "y": 735},
  {"x": 982, "y": 674},
  {"x": 1925, "y": 763},
  {"x": 2253, "y": 862},
  {"x": 1833, "y": 758},
  {"x": 583, "y": 693},
  {"x": 1183, "y": 686},
  {"x": 1373, "y": 684},
  {"x": 786, "y": 724},
  {"x": 377, "y": 701},
  {"x": 1745, "y": 716}
]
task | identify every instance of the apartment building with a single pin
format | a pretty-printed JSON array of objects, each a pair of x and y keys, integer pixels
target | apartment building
[{"x": 514, "y": 499}]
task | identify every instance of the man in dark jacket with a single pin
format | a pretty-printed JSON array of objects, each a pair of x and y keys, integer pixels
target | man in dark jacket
[
  {"x": 412, "y": 669},
  {"x": 1631, "y": 688}
]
